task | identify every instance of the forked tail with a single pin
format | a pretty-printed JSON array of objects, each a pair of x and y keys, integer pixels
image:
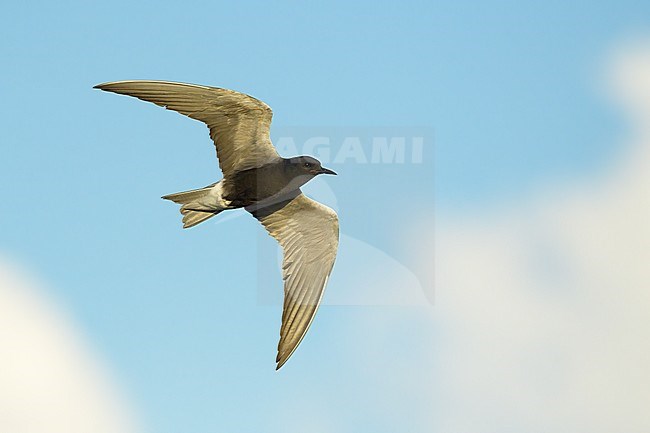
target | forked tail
[{"x": 198, "y": 205}]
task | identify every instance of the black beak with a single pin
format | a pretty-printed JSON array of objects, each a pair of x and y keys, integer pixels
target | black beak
[{"x": 324, "y": 170}]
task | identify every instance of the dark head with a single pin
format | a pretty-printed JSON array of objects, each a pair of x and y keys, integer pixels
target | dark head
[{"x": 306, "y": 165}]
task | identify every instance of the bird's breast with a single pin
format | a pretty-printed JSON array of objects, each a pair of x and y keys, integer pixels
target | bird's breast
[{"x": 251, "y": 186}]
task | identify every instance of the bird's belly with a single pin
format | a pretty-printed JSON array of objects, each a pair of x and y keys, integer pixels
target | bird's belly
[
  {"x": 251, "y": 188},
  {"x": 246, "y": 196}
]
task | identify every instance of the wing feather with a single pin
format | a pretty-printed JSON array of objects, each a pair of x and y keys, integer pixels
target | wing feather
[
  {"x": 239, "y": 124},
  {"x": 309, "y": 235}
]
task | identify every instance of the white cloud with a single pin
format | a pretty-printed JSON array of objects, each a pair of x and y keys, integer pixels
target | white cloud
[
  {"x": 546, "y": 304},
  {"x": 50, "y": 382}
]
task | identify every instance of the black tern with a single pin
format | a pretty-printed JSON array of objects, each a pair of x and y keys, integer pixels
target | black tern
[{"x": 258, "y": 179}]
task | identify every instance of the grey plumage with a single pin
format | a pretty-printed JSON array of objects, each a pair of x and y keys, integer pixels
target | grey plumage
[{"x": 257, "y": 179}]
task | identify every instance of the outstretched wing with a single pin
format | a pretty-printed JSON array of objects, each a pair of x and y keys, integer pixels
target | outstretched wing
[
  {"x": 239, "y": 124},
  {"x": 309, "y": 235}
]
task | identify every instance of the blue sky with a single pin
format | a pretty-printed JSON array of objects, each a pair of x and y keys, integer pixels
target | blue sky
[{"x": 505, "y": 92}]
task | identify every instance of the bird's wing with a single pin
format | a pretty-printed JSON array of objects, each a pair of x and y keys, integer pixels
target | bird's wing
[
  {"x": 239, "y": 124},
  {"x": 309, "y": 235}
]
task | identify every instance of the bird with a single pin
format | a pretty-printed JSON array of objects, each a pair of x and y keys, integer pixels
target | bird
[{"x": 257, "y": 179}]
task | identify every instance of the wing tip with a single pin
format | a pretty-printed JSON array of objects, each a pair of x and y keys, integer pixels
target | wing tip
[
  {"x": 105, "y": 86},
  {"x": 280, "y": 362}
]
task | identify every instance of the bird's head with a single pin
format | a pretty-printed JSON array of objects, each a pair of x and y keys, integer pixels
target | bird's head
[{"x": 306, "y": 165}]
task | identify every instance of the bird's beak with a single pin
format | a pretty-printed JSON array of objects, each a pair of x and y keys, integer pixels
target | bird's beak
[{"x": 324, "y": 170}]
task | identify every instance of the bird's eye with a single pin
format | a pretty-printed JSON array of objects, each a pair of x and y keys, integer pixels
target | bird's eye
[{"x": 308, "y": 164}]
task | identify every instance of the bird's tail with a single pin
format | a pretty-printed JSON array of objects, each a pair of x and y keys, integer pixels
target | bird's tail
[{"x": 198, "y": 205}]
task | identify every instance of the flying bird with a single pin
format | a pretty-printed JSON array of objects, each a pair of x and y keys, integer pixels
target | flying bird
[{"x": 257, "y": 179}]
